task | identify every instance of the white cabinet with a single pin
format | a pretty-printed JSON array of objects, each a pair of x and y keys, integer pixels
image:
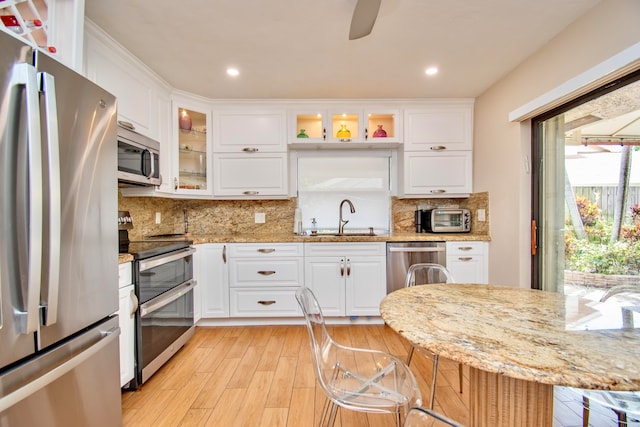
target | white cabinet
[
  {"x": 263, "y": 278},
  {"x": 468, "y": 262},
  {"x": 346, "y": 126},
  {"x": 348, "y": 279},
  {"x": 126, "y": 314},
  {"x": 250, "y": 153},
  {"x": 438, "y": 150},
  {"x": 192, "y": 147},
  {"x": 212, "y": 275},
  {"x": 138, "y": 90}
]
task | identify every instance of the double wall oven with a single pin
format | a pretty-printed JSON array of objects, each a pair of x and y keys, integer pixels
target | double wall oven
[{"x": 163, "y": 278}]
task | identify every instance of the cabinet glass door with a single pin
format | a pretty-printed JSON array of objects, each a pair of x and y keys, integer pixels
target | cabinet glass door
[
  {"x": 192, "y": 150},
  {"x": 310, "y": 127},
  {"x": 345, "y": 127},
  {"x": 381, "y": 127}
]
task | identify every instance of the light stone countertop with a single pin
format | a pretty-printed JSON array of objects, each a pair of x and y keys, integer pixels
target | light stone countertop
[
  {"x": 521, "y": 333},
  {"x": 287, "y": 238},
  {"x": 124, "y": 258}
]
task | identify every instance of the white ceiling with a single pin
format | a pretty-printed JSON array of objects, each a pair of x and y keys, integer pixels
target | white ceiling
[{"x": 300, "y": 48}]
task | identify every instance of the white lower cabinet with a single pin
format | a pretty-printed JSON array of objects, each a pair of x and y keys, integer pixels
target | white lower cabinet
[
  {"x": 348, "y": 279},
  {"x": 126, "y": 315},
  {"x": 468, "y": 261},
  {"x": 263, "y": 278},
  {"x": 212, "y": 275}
]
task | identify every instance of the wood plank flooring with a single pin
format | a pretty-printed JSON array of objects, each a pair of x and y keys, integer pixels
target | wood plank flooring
[{"x": 263, "y": 376}]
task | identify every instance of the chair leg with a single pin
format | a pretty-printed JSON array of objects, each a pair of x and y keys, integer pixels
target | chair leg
[
  {"x": 622, "y": 418},
  {"x": 410, "y": 355},
  {"x": 433, "y": 381},
  {"x": 585, "y": 411},
  {"x": 460, "y": 376},
  {"x": 332, "y": 416},
  {"x": 325, "y": 410}
]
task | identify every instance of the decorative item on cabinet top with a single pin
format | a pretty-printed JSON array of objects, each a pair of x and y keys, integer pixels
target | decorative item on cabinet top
[
  {"x": 343, "y": 133},
  {"x": 380, "y": 133},
  {"x": 184, "y": 122}
]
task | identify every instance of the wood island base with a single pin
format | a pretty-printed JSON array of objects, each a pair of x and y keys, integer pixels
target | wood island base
[{"x": 497, "y": 400}]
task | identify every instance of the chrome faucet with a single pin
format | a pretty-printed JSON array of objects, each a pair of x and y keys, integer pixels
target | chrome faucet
[{"x": 344, "y": 222}]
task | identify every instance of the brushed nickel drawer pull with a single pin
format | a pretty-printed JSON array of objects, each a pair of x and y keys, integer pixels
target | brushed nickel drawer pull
[
  {"x": 250, "y": 150},
  {"x": 464, "y": 248},
  {"x": 268, "y": 302},
  {"x": 250, "y": 193},
  {"x": 438, "y": 191},
  {"x": 266, "y": 273},
  {"x": 438, "y": 148},
  {"x": 465, "y": 258},
  {"x": 266, "y": 251}
]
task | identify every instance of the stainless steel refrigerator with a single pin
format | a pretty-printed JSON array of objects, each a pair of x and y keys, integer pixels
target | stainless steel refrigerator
[{"x": 59, "y": 361}]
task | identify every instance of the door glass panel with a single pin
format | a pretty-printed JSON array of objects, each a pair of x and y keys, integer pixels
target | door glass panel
[
  {"x": 589, "y": 194},
  {"x": 192, "y": 149}
]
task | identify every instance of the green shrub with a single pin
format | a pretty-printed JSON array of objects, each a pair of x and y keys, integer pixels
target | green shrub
[{"x": 618, "y": 258}]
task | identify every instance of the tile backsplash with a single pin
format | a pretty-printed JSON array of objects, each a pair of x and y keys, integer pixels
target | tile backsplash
[{"x": 238, "y": 216}]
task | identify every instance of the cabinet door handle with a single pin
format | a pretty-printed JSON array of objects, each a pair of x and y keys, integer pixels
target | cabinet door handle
[
  {"x": 348, "y": 267},
  {"x": 464, "y": 248},
  {"x": 266, "y": 250},
  {"x": 366, "y": 133},
  {"x": 465, "y": 258},
  {"x": 438, "y": 191},
  {"x": 134, "y": 299},
  {"x": 324, "y": 134},
  {"x": 267, "y": 272},
  {"x": 175, "y": 183},
  {"x": 250, "y": 193},
  {"x": 268, "y": 302},
  {"x": 341, "y": 268},
  {"x": 224, "y": 254},
  {"x": 438, "y": 148},
  {"x": 250, "y": 150}
]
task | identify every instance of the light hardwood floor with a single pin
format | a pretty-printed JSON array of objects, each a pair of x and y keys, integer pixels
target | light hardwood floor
[{"x": 263, "y": 376}]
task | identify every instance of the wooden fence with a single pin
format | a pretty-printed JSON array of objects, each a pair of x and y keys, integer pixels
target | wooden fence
[{"x": 606, "y": 199}]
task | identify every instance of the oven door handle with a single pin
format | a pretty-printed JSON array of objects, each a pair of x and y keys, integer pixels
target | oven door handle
[
  {"x": 166, "y": 298},
  {"x": 150, "y": 263},
  {"x": 417, "y": 249}
]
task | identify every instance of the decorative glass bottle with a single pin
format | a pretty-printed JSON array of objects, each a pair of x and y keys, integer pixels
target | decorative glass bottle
[
  {"x": 343, "y": 133},
  {"x": 303, "y": 134},
  {"x": 380, "y": 133}
]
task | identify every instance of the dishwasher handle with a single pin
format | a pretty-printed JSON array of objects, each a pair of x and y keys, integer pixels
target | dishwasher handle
[{"x": 417, "y": 249}]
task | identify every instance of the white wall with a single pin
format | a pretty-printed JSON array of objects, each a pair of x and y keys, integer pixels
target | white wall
[{"x": 502, "y": 148}]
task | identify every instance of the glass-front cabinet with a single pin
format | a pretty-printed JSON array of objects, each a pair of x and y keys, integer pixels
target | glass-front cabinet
[
  {"x": 345, "y": 125},
  {"x": 192, "y": 158}
]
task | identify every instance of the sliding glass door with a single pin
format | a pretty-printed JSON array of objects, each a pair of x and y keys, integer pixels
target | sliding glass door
[{"x": 585, "y": 188}]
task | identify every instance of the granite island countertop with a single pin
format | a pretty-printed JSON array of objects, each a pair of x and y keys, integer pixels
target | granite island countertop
[{"x": 525, "y": 334}]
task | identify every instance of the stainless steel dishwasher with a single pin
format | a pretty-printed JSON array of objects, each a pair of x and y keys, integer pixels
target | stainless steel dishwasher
[{"x": 402, "y": 255}]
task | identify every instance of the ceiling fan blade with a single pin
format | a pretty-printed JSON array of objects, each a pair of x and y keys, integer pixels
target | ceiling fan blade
[{"x": 364, "y": 16}]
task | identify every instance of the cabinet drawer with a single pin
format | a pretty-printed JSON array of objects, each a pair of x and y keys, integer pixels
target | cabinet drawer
[
  {"x": 343, "y": 249},
  {"x": 466, "y": 248},
  {"x": 274, "y": 302},
  {"x": 260, "y": 272},
  {"x": 265, "y": 250},
  {"x": 124, "y": 275}
]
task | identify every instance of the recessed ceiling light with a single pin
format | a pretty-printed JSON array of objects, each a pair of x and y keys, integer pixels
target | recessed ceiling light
[
  {"x": 431, "y": 71},
  {"x": 233, "y": 71}
]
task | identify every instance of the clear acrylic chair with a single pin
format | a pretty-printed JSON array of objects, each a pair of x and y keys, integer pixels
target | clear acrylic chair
[
  {"x": 422, "y": 417},
  {"x": 355, "y": 378},
  {"x": 422, "y": 274},
  {"x": 624, "y": 404}
]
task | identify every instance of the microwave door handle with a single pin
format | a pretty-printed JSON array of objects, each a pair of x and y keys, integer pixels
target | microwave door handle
[
  {"x": 153, "y": 165},
  {"x": 47, "y": 85},
  {"x": 24, "y": 74},
  {"x": 144, "y": 167}
]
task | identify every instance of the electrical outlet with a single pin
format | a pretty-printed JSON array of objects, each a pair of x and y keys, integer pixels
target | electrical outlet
[
  {"x": 260, "y": 218},
  {"x": 157, "y": 217},
  {"x": 481, "y": 215}
]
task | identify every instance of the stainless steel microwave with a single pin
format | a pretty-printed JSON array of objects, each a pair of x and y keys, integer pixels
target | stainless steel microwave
[
  {"x": 138, "y": 157},
  {"x": 443, "y": 220}
]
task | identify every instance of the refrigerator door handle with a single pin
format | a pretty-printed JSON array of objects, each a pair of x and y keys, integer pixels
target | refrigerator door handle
[
  {"x": 24, "y": 74},
  {"x": 42, "y": 381},
  {"x": 47, "y": 85}
]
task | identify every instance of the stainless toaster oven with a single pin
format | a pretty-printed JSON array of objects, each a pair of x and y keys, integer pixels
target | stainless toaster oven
[{"x": 443, "y": 220}]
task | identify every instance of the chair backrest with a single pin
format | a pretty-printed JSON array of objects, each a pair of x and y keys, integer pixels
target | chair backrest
[
  {"x": 419, "y": 417},
  {"x": 424, "y": 273},
  {"x": 322, "y": 346}
]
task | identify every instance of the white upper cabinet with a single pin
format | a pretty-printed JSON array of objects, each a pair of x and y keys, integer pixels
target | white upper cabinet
[
  {"x": 248, "y": 131},
  {"x": 138, "y": 90},
  {"x": 192, "y": 148},
  {"x": 345, "y": 126},
  {"x": 439, "y": 128},
  {"x": 438, "y": 150}
]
